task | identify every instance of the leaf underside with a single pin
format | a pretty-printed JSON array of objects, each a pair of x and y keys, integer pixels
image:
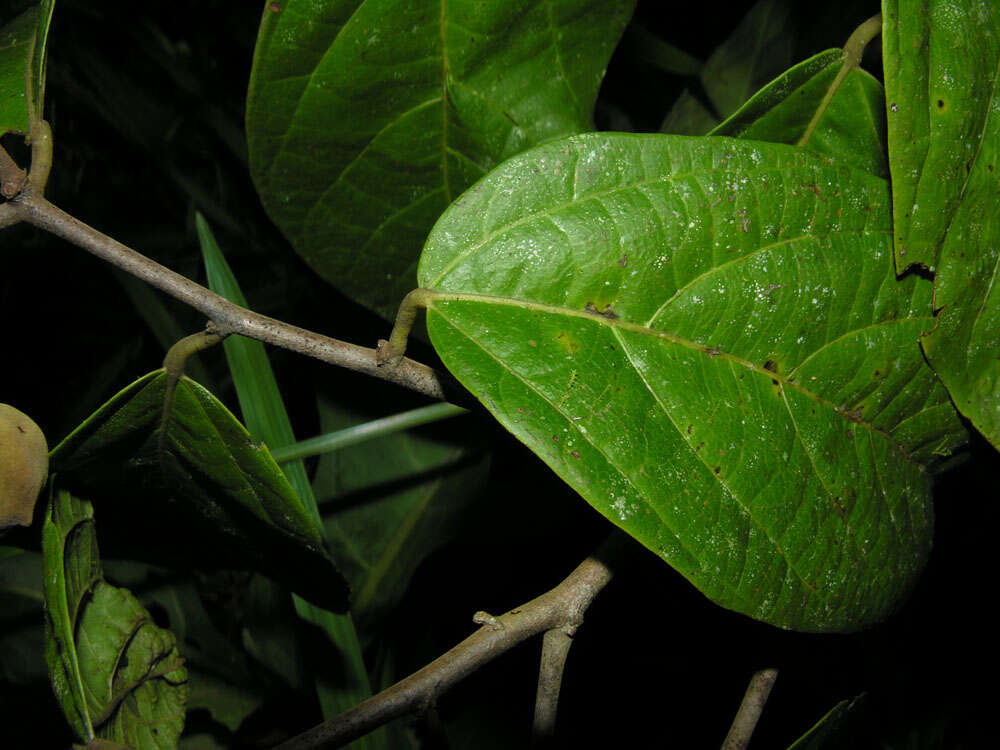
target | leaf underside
[
  {"x": 707, "y": 340},
  {"x": 366, "y": 119},
  {"x": 209, "y": 495}
]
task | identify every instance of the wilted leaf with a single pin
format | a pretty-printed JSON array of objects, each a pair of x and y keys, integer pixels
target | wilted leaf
[
  {"x": 851, "y": 129},
  {"x": 116, "y": 675},
  {"x": 365, "y": 119},
  {"x": 208, "y": 492},
  {"x": 707, "y": 340}
]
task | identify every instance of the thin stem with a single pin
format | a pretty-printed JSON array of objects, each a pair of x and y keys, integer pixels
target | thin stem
[
  {"x": 853, "y": 50},
  {"x": 560, "y": 608},
  {"x": 361, "y": 433},
  {"x": 750, "y": 709},
  {"x": 174, "y": 362},
  {"x": 555, "y": 649},
  {"x": 228, "y": 317}
]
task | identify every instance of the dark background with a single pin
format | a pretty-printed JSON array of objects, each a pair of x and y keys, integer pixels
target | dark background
[{"x": 146, "y": 103}]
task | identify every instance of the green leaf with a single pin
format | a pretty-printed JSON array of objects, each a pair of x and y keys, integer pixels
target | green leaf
[
  {"x": 393, "y": 501},
  {"x": 825, "y": 732},
  {"x": 707, "y": 340},
  {"x": 116, "y": 675},
  {"x": 264, "y": 411},
  {"x": 851, "y": 129},
  {"x": 22, "y": 67},
  {"x": 944, "y": 138},
  {"x": 208, "y": 491},
  {"x": 366, "y": 119},
  {"x": 941, "y": 67},
  {"x": 759, "y": 49}
]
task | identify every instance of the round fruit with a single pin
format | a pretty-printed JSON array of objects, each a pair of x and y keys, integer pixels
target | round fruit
[{"x": 24, "y": 464}]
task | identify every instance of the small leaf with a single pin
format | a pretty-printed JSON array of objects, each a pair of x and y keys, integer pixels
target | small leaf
[
  {"x": 22, "y": 67},
  {"x": 365, "y": 119},
  {"x": 851, "y": 129},
  {"x": 758, "y": 50},
  {"x": 941, "y": 67},
  {"x": 116, "y": 675},
  {"x": 706, "y": 339},
  {"x": 202, "y": 480}
]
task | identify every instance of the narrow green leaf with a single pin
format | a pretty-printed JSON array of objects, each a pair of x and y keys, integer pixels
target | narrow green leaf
[
  {"x": 116, "y": 675},
  {"x": 203, "y": 478},
  {"x": 22, "y": 67},
  {"x": 824, "y": 733},
  {"x": 361, "y": 433},
  {"x": 941, "y": 65},
  {"x": 393, "y": 501},
  {"x": 758, "y": 50},
  {"x": 265, "y": 415},
  {"x": 366, "y": 118},
  {"x": 706, "y": 339},
  {"x": 851, "y": 129}
]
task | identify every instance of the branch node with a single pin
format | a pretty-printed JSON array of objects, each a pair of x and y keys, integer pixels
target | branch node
[{"x": 485, "y": 618}]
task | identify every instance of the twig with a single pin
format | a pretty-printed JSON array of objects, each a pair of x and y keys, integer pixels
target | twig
[
  {"x": 555, "y": 649},
  {"x": 228, "y": 318},
  {"x": 750, "y": 709},
  {"x": 559, "y": 608}
]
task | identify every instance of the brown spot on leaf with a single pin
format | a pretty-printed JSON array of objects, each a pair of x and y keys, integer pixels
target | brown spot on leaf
[{"x": 607, "y": 312}]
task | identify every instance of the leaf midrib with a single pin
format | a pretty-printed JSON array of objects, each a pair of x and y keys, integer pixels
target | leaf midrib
[{"x": 713, "y": 352}]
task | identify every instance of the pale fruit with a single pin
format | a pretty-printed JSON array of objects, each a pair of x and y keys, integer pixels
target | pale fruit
[{"x": 24, "y": 464}]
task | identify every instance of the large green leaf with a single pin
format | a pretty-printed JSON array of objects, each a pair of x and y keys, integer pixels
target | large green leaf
[
  {"x": 944, "y": 139},
  {"x": 851, "y": 128},
  {"x": 206, "y": 491},
  {"x": 116, "y": 675},
  {"x": 758, "y": 50},
  {"x": 365, "y": 119},
  {"x": 941, "y": 65},
  {"x": 707, "y": 340},
  {"x": 22, "y": 67}
]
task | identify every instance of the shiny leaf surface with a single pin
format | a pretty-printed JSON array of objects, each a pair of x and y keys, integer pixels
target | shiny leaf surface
[
  {"x": 941, "y": 66},
  {"x": 707, "y": 340},
  {"x": 852, "y": 128}
]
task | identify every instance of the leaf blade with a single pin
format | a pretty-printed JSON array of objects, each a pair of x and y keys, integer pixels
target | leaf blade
[
  {"x": 416, "y": 101},
  {"x": 116, "y": 675},
  {"x": 593, "y": 279}
]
